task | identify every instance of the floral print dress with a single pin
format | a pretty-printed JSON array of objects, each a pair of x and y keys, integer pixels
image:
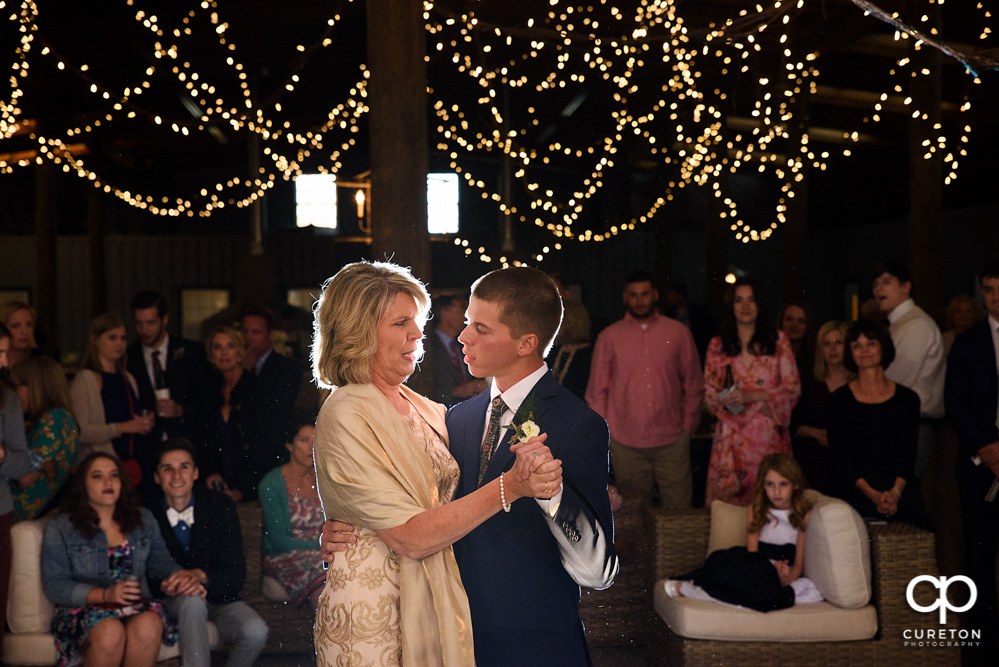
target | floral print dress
[
  {"x": 300, "y": 571},
  {"x": 365, "y": 630},
  {"x": 742, "y": 440},
  {"x": 54, "y": 437},
  {"x": 70, "y": 626}
]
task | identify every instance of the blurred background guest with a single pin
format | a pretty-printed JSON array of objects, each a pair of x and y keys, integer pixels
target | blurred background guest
[
  {"x": 19, "y": 318},
  {"x": 809, "y": 439},
  {"x": 452, "y": 383},
  {"x": 293, "y": 520},
  {"x": 751, "y": 386},
  {"x": 52, "y": 434},
  {"x": 227, "y": 421},
  {"x": 13, "y": 464},
  {"x": 168, "y": 370},
  {"x": 106, "y": 402},
  {"x": 573, "y": 349},
  {"x": 873, "y": 426},
  {"x": 962, "y": 313},
  {"x": 280, "y": 379},
  {"x": 795, "y": 320}
]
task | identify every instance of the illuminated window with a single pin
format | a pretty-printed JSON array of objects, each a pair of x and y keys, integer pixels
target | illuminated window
[
  {"x": 442, "y": 203},
  {"x": 315, "y": 200},
  {"x": 304, "y": 298},
  {"x": 198, "y": 305}
]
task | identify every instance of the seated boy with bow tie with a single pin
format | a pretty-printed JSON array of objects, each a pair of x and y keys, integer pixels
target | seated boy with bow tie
[{"x": 201, "y": 529}]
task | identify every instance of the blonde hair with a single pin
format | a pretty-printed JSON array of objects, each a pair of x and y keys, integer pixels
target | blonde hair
[
  {"x": 788, "y": 468},
  {"x": 347, "y": 314},
  {"x": 8, "y": 308},
  {"x": 98, "y": 327},
  {"x": 46, "y": 383},
  {"x": 234, "y": 335},
  {"x": 575, "y": 324},
  {"x": 820, "y": 370}
]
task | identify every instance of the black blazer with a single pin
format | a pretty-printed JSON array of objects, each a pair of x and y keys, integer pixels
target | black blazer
[
  {"x": 216, "y": 544},
  {"x": 971, "y": 390},
  {"x": 185, "y": 370},
  {"x": 278, "y": 384}
]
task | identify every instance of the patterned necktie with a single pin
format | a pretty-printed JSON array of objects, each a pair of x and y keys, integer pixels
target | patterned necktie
[
  {"x": 492, "y": 436},
  {"x": 157, "y": 371}
]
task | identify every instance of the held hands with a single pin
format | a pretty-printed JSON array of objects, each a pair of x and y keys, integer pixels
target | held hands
[
  {"x": 784, "y": 572},
  {"x": 337, "y": 536},
  {"x": 185, "y": 582},
  {"x": 887, "y": 502},
  {"x": 536, "y": 473}
]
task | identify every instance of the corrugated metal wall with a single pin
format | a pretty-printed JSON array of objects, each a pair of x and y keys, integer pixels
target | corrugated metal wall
[{"x": 166, "y": 264}]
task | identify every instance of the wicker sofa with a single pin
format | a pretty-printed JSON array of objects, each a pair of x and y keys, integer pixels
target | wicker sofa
[{"x": 898, "y": 553}]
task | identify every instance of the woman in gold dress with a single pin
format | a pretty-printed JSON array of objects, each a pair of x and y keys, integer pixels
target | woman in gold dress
[{"x": 383, "y": 465}]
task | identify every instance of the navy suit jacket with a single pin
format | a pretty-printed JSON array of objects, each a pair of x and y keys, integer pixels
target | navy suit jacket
[
  {"x": 971, "y": 390},
  {"x": 524, "y": 603}
]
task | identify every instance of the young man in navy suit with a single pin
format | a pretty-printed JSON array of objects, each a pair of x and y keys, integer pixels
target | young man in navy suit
[
  {"x": 971, "y": 393},
  {"x": 522, "y": 569}
]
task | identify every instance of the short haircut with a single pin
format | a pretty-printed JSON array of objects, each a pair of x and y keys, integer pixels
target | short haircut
[
  {"x": 819, "y": 370},
  {"x": 352, "y": 304},
  {"x": 98, "y": 327},
  {"x": 529, "y": 302},
  {"x": 639, "y": 276},
  {"x": 871, "y": 331},
  {"x": 899, "y": 270},
  {"x": 176, "y": 445},
  {"x": 266, "y": 314},
  {"x": 150, "y": 299},
  {"x": 989, "y": 270},
  {"x": 234, "y": 335}
]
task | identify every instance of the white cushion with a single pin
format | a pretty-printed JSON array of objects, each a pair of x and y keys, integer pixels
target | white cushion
[
  {"x": 28, "y": 610},
  {"x": 813, "y": 622},
  {"x": 837, "y": 550},
  {"x": 29, "y": 649},
  {"x": 272, "y": 590}
]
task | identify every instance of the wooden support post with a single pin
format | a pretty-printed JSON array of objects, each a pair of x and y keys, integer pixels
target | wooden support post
[
  {"x": 926, "y": 167},
  {"x": 397, "y": 96},
  {"x": 717, "y": 244},
  {"x": 795, "y": 229},
  {"x": 95, "y": 247},
  {"x": 45, "y": 254}
]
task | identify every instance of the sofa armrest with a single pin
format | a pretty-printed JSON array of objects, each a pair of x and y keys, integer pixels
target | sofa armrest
[
  {"x": 900, "y": 552},
  {"x": 681, "y": 540}
]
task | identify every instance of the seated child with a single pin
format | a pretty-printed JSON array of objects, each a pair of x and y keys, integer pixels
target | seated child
[{"x": 766, "y": 573}]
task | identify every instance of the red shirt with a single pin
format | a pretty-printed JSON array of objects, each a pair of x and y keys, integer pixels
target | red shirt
[{"x": 646, "y": 381}]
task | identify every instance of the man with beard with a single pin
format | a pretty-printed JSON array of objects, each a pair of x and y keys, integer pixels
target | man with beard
[{"x": 646, "y": 381}]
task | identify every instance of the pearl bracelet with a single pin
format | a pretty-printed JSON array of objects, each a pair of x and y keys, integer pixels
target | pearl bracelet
[{"x": 506, "y": 508}]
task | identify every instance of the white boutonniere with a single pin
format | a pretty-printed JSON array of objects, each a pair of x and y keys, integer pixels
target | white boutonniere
[{"x": 523, "y": 424}]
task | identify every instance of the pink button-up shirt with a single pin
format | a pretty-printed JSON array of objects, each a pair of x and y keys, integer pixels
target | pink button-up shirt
[{"x": 646, "y": 381}]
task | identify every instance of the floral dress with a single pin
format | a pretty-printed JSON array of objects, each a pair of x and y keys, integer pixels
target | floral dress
[
  {"x": 300, "y": 571},
  {"x": 742, "y": 440},
  {"x": 365, "y": 630},
  {"x": 70, "y": 626},
  {"x": 53, "y": 438}
]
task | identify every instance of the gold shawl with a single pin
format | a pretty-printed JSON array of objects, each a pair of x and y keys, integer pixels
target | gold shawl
[{"x": 373, "y": 473}]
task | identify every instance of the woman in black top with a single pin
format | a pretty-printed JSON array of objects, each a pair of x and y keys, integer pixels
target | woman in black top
[{"x": 873, "y": 428}]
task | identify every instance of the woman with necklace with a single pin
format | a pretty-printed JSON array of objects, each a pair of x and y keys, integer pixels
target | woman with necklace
[
  {"x": 293, "y": 520},
  {"x": 751, "y": 384},
  {"x": 228, "y": 436},
  {"x": 873, "y": 430}
]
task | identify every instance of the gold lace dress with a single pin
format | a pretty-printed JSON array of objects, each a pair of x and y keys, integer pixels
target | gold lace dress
[{"x": 357, "y": 623}]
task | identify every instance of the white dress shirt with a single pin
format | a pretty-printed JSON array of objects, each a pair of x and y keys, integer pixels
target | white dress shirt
[
  {"x": 147, "y": 355},
  {"x": 514, "y": 397},
  {"x": 919, "y": 362}
]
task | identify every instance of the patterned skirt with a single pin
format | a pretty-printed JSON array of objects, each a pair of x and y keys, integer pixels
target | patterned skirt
[{"x": 70, "y": 626}]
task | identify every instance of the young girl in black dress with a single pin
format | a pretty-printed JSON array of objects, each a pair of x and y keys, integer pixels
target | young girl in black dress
[{"x": 766, "y": 573}]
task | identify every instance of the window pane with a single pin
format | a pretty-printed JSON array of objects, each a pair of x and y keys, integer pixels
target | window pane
[
  {"x": 442, "y": 203},
  {"x": 197, "y": 305},
  {"x": 315, "y": 200}
]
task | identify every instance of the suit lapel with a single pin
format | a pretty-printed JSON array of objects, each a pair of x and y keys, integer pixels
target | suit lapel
[
  {"x": 469, "y": 443},
  {"x": 545, "y": 388}
]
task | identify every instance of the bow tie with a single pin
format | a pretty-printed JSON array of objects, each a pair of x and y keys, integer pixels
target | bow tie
[{"x": 174, "y": 517}]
